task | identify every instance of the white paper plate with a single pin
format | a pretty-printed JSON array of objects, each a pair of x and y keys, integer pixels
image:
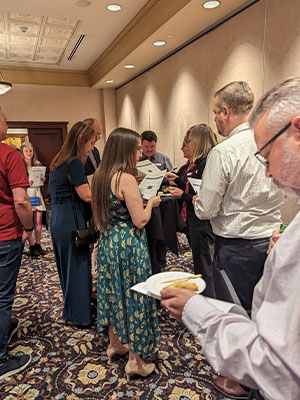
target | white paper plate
[{"x": 155, "y": 284}]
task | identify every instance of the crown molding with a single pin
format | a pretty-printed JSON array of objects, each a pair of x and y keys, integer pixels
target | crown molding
[
  {"x": 45, "y": 76},
  {"x": 150, "y": 18}
]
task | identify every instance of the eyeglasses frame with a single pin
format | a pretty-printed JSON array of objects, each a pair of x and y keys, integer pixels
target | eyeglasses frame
[{"x": 261, "y": 158}]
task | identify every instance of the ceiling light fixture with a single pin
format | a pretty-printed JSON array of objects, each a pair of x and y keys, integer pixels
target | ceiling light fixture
[
  {"x": 83, "y": 3},
  {"x": 129, "y": 66},
  {"x": 211, "y": 4},
  {"x": 109, "y": 81},
  {"x": 159, "y": 43},
  {"x": 4, "y": 86},
  {"x": 113, "y": 7}
]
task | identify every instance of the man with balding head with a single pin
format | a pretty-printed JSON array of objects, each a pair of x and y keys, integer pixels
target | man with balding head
[
  {"x": 242, "y": 205},
  {"x": 93, "y": 159}
]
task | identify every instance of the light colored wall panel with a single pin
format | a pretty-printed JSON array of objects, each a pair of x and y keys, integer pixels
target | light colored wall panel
[
  {"x": 161, "y": 118},
  {"x": 51, "y": 103},
  {"x": 110, "y": 111},
  {"x": 236, "y": 52},
  {"x": 189, "y": 102},
  {"x": 140, "y": 104},
  {"x": 282, "y": 41},
  {"x": 124, "y": 117}
]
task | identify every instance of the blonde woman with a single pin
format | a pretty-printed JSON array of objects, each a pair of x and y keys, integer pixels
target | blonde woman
[
  {"x": 200, "y": 139},
  {"x": 29, "y": 156}
]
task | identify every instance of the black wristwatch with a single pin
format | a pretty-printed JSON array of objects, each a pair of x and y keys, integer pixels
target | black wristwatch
[{"x": 30, "y": 229}]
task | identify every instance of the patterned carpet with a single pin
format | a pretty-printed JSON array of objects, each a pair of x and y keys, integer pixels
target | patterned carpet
[{"x": 69, "y": 363}]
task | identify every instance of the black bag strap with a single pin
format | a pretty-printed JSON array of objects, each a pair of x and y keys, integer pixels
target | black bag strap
[{"x": 72, "y": 198}]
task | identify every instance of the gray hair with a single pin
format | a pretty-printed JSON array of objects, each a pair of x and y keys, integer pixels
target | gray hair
[
  {"x": 237, "y": 96},
  {"x": 89, "y": 121},
  {"x": 282, "y": 102}
]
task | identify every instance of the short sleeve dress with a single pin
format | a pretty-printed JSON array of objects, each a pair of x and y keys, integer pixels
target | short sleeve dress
[
  {"x": 123, "y": 261},
  {"x": 73, "y": 263}
]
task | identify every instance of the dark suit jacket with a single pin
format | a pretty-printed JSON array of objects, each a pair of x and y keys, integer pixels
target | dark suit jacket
[{"x": 89, "y": 166}]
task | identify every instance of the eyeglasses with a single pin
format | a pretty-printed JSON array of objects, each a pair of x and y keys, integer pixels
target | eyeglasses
[
  {"x": 139, "y": 148},
  {"x": 263, "y": 159}
]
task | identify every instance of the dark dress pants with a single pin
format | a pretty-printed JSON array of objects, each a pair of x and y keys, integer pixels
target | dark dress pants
[
  {"x": 202, "y": 244},
  {"x": 243, "y": 263}
]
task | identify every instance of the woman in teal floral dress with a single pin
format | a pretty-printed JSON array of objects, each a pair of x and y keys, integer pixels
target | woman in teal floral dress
[{"x": 123, "y": 258}]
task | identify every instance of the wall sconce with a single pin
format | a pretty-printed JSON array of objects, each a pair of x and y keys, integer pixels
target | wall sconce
[{"x": 4, "y": 86}]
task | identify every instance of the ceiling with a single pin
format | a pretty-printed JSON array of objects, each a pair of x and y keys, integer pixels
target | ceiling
[{"x": 57, "y": 42}]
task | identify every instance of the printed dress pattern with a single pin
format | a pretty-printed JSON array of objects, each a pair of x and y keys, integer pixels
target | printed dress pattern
[{"x": 123, "y": 261}]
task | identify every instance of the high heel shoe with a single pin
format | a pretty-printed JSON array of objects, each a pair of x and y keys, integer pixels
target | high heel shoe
[
  {"x": 141, "y": 370},
  {"x": 111, "y": 351}
]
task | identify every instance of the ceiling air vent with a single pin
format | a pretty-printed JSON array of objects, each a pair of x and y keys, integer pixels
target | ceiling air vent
[{"x": 78, "y": 43}]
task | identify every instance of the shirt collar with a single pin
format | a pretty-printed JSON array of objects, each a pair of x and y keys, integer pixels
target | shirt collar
[{"x": 242, "y": 127}]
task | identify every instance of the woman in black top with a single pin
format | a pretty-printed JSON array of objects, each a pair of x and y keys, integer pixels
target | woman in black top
[{"x": 200, "y": 140}]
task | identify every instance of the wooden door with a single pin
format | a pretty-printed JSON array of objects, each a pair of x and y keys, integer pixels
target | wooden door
[{"x": 47, "y": 139}]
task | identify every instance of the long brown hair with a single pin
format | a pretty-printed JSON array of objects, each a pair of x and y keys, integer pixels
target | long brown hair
[
  {"x": 204, "y": 138},
  {"x": 118, "y": 156},
  {"x": 34, "y": 162},
  {"x": 73, "y": 146}
]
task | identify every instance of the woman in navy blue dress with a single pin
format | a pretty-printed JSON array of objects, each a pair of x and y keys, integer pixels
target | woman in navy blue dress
[{"x": 73, "y": 264}]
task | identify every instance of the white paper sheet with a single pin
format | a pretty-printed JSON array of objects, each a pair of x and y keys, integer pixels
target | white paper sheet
[
  {"x": 196, "y": 183},
  {"x": 35, "y": 175},
  {"x": 90, "y": 178},
  {"x": 151, "y": 184},
  {"x": 146, "y": 167}
]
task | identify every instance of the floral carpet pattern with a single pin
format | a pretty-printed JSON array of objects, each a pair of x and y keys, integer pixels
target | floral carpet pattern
[{"x": 69, "y": 363}]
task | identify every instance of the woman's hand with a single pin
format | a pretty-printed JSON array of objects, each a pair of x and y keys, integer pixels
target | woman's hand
[
  {"x": 43, "y": 179},
  {"x": 194, "y": 199},
  {"x": 30, "y": 182},
  {"x": 155, "y": 201},
  {"x": 175, "y": 192},
  {"x": 170, "y": 176}
]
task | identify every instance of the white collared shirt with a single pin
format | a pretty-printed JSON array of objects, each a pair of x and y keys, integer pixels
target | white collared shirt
[
  {"x": 235, "y": 195},
  {"x": 262, "y": 353}
]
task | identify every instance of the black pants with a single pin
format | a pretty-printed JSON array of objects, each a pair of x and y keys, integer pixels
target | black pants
[
  {"x": 243, "y": 262},
  {"x": 202, "y": 244}
]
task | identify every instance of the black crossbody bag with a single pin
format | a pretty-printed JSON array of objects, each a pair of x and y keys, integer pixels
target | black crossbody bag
[{"x": 85, "y": 236}]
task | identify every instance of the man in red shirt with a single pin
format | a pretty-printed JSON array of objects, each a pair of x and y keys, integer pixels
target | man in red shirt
[{"x": 15, "y": 215}]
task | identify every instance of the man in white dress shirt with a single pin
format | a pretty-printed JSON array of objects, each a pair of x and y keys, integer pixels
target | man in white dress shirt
[
  {"x": 262, "y": 353},
  {"x": 235, "y": 195}
]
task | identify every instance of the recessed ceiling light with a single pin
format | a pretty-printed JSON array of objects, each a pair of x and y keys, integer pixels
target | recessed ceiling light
[
  {"x": 109, "y": 81},
  {"x": 129, "y": 66},
  {"x": 113, "y": 7},
  {"x": 211, "y": 4},
  {"x": 83, "y": 3},
  {"x": 159, "y": 43},
  {"x": 170, "y": 36}
]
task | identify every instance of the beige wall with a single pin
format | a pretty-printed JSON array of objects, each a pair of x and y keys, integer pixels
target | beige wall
[
  {"x": 53, "y": 103},
  {"x": 260, "y": 46}
]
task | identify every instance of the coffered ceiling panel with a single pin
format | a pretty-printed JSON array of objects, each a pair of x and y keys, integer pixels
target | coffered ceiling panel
[{"x": 25, "y": 37}]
